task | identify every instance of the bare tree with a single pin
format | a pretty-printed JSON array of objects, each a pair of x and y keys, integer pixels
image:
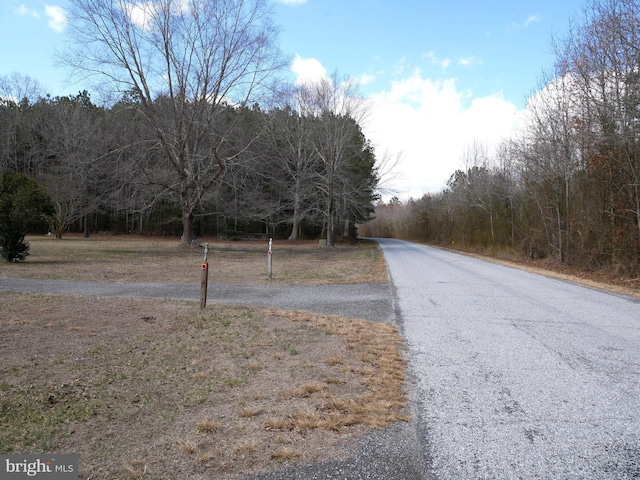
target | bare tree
[
  {"x": 550, "y": 162},
  {"x": 290, "y": 134},
  {"x": 481, "y": 191},
  {"x": 16, "y": 88},
  {"x": 19, "y": 151},
  {"x": 76, "y": 172},
  {"x": 601, "y": 58},
  {"x": 339, "y": 111},
  {"x": 188, "y": 62}
]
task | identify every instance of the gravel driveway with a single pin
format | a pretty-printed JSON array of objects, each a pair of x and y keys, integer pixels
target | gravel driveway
[{"x": 369, "y": 301}]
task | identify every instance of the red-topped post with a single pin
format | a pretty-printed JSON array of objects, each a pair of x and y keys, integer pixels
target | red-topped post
[{"x": 205, "y": 278}]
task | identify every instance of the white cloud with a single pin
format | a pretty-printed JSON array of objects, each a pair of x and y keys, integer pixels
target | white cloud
[
  {"x": 308, "y": 70},
  {"x": 140, "y": 13},
  {"x": 145, "y": 13},
  {"x": 531, "y": 19},
  {"x": 400, "y": 67},
  {"x": 440, "y": 62},
  {"x": 57, "y": 17},
  {"x": 468, "y": 61},
  {"x": 54, "y": 13},
  {"x": 31, "y": 12},
  {"x": 432, "y": 122},
  {"x": 366, "y": 79}
]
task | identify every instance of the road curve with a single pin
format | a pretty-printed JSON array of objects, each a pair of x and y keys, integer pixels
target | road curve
[{"x": 518, "y": 375}]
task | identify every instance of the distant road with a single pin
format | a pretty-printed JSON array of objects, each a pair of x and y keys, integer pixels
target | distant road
[{"x": 518, "y": 376}]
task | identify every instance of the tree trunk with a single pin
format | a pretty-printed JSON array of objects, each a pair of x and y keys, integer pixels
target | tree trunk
[
  {"x": 187, "y": 227},
  {"x": 296, "y": 217},
  {"x": 85, "y": 232},
  {"x": 352, "y": 231},
  {"x": 294, "y": 230},
  {"x": 330, "y": 222}
]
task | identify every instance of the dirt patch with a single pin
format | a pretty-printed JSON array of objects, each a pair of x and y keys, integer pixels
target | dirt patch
[{"x": 141, "y": 388}]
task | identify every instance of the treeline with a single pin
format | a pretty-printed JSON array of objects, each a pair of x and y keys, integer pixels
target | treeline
[
  {"x": 199, "y": 135},
  {"x": 294, "y": 170},
  {"x": 567, "y": 185}
]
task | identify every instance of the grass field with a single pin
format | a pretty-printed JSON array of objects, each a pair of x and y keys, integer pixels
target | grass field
[
  {"x": 151, "y": 259},
  {"x": 141, "y": 388}
]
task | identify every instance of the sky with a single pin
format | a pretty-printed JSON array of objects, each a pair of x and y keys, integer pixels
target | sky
[{"x": 439, "y": 74}]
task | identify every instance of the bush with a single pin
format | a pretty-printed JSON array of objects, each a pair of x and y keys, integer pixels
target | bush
[
  {"x": 23, "y": 205},
  {"x": 13, "y": 248}
]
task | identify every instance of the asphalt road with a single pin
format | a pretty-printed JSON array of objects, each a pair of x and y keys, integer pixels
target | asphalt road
[{"x": 518, "y": 376}]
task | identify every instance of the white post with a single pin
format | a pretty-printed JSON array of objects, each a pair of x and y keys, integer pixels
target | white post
[{"x": 269, "y": 260}]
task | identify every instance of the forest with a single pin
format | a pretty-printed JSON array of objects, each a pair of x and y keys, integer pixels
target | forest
[
  {"x": 196, "y": 134},
  {"x": 105, "y": 172},
  {"x": 566, "y": 186}
]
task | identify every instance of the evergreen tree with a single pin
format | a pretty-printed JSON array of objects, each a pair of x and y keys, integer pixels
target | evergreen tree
[{"x": 23, "y": 204}]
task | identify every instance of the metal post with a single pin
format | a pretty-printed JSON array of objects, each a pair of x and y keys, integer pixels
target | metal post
[
  {"x": 205, "y": 278},
  {"x": 269, "y": 260}
]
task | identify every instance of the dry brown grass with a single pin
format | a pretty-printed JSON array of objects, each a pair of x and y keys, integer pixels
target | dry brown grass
[
  {"x": 285, "y": 453},
  {"x": 134, "y": 470},
  {"x": 151, "y": 259},
  {"x": 183, "y": 390},
  {"x": 248, "y": 412},
  {"x": 207, "y": 426},
  {"x": 191, "y": 394}
]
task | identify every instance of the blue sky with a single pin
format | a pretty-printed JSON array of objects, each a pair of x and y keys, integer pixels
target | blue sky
[{"x": 440, "y": 74}]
